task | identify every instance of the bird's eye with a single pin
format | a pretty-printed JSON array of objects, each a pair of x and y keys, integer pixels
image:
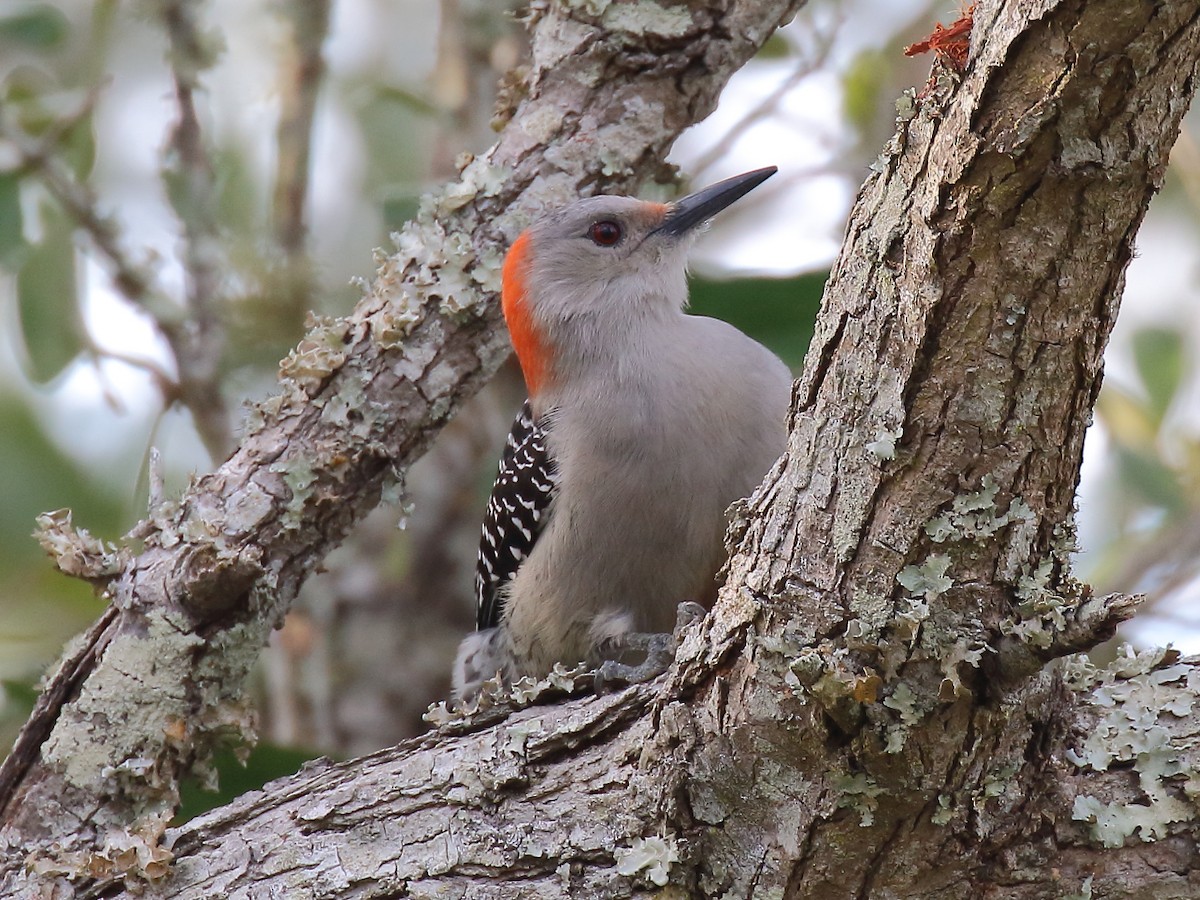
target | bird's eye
[{"x": 606, "y": 233}]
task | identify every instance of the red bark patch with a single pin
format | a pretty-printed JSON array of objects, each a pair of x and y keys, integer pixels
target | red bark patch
[{"x": 951, "y": 43}]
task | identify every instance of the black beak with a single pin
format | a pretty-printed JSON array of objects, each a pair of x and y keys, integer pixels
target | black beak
[{"x": 701, "y": 206}]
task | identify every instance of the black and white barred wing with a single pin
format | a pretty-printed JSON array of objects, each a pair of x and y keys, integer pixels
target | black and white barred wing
[{"x": 516, "y": 513}]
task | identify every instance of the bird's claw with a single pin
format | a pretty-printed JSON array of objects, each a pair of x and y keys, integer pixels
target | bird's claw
[
  {"x": 658, "y": 647},
  {"x": 687, "y": 613}
]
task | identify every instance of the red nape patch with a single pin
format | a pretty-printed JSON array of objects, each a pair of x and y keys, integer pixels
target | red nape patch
[
  {"x": 950, "y": 43},
  {"x": 526, "y": 339}
]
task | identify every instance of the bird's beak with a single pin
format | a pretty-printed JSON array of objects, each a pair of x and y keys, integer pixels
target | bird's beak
[{"x": 697, "y": 208}]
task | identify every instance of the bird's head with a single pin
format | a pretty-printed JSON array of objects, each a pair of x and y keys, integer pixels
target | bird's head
[{"x": 582, "y": 277}]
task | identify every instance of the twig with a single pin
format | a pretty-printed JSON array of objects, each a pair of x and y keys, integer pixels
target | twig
[
  {"x": 805, "y": 67},
  {"x": 199, "y": 345},
  {"x": 155, "y": 491},
  {"x": 136, "y": 281},
  {"x": 310, "y": 25}
]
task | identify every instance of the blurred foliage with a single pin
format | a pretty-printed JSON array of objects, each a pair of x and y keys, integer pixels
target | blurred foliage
[
  {"x": 12, "y": 221},
  {"x": 39, "y": 608},
  {"x": 776, "y": 47},
  {"x": 864, "y": 88},
  {"x": 34, "y": 26},
  {"x": 779, "y": 312},
  {"x": 48, "y": 300},
  {"x": 237, "y": 774},
  {"x": 1161, "y": 365},
  {"x": 1155, "y": 461},
  {"x": 39, "y": 476}
]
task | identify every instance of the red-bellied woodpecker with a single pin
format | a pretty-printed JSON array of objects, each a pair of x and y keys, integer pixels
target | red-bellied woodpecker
[{"x": 643, "y": 424}]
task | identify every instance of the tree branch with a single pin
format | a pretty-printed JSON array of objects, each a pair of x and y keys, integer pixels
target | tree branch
[
  {"x": 361, "y": 399},
  {"x": 550, "y": 798}
]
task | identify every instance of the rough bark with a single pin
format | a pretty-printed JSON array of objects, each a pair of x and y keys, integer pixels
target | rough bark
[{"x": 872, "y": 709}]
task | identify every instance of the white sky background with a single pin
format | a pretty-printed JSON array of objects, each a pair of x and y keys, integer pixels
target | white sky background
[{"x": 794, "y": 225}]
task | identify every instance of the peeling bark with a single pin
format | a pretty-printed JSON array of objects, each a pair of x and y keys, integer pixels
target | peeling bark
[{"x": 873, "y": 709}]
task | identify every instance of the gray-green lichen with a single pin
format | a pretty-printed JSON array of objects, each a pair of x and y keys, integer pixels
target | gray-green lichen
[
  {"x": 124, "y": 852},
  {"x": 588, "y": 7},
  {"x": 653, "y": 855},
  {"x": 928, "y": 579},
  {"x": 542, "y": 124},
  {"x": 911, "y": 708},
  {"x": 968, "y": 651},
  {"x": 904, "y": 701},
  {"x": 998, "y": 782},
  {"x": 74, "y": 550},
  {"x": 1139, "y": 699},
  {"x": 647, "y": 17},
  {"x": 1041, "y": 611},
  {"x": 1046, "y": 603},
  {"x": 440, "y": 265},
  {"x": 343, "y": 409},
  {"x": 318, "y": 355},
  {"x": 1085, "y": 891},
  {"x": 1015, "y": 310},
  {"x": 560, "y": 681},
  {"x": 106, "y": 697},
  {"x": 859, "y": 793},
  {"x": 251, "y": 508},
  {"x": 478, "y": 178},
  {"x": 299, "y": 475},
  {"x": 621, "y": 142},
  {"x": 945, "y": 810},
  {"x": 392, "y": 324},
  {"x": 975, "y": 517},
  {"x": 262, "y": 412}
]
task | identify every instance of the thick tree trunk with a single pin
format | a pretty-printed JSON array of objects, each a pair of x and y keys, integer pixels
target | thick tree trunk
[{"x": 869, "y": 712}]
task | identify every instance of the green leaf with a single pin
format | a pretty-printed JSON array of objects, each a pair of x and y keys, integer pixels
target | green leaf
[
  {"x": 12, "y": 223},
  {"x": 48, "y": 301},
  {"x": 779, "y": 312},
  {"x": 265, "y": 763},
  {"x": 861, "y": 88},
  {"x": 37, "y": 26},
  {"x": 398, "y": 209},
  {"x": 19, "y": 692},
  {"x": 1161, "y": 364},
  {"x": 39, "y": 477},
  {"x": 1151, "y": 481},
  {"x": 16, "y": 703},
  {"x": 408, "y": 99},
  {"x": 776, "y": 47},
  {"x": 40, "y": 608},
  {"x": 77, "y": 147}
]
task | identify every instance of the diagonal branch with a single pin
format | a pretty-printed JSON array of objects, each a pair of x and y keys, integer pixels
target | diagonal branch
[{"x": 360, "y": 399}]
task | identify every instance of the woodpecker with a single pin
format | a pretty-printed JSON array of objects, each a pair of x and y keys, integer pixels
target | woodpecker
[{"x": 643, "y": 424}]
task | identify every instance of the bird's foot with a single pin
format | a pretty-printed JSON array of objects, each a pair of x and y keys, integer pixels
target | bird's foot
[{"x": 659, "y": 648}]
